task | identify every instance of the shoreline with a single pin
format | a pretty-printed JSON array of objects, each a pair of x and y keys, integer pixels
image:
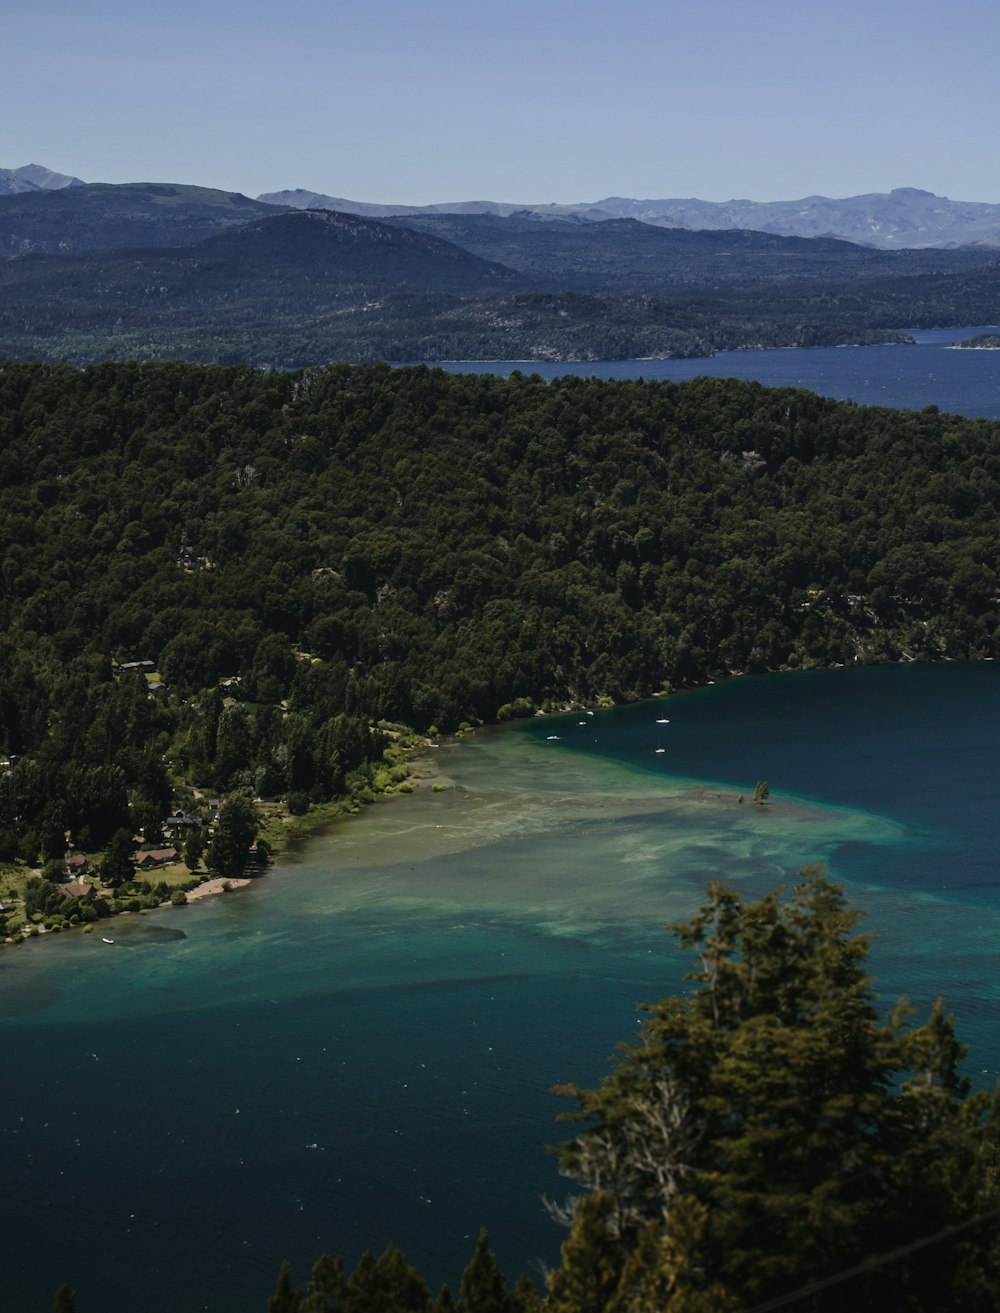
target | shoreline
[{"x": 288, "y": 835}]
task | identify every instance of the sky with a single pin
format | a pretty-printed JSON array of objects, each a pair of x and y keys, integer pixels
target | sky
[{"x": 527, "y": 101}]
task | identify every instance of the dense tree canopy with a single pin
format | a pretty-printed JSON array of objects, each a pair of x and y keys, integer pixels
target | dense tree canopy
[
  {"x": 299, "y": 556},
  {"x": 768, "y": 1135}
]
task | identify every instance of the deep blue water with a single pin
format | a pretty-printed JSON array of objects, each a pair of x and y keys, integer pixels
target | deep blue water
[
  {"x": 361, "y": 1048},
  {"x": 911, "y": 377}
]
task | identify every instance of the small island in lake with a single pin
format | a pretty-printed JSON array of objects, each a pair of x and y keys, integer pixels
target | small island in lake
[{"x": 981, "y": 342}]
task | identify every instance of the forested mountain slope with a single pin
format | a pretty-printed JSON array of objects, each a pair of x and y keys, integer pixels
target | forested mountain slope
[
  {"x": 154, "y": 272},
  {"x": 100, "y": 216},
  {"x": 624, "y": 255},
  {"x": 364, "y": 543}
]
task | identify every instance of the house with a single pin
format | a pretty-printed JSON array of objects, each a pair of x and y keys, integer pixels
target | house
[
  {"x": 180, "y": 819},
  {"x": 76, "y": 864},
  {"x": 148, "y": 859},
  {"x": 78, "y": 889}
]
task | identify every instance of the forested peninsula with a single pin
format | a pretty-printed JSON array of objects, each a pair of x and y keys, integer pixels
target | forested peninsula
[{"x": 227, "y": 582}]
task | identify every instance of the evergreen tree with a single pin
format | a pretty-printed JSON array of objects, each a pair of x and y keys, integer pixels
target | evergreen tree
[
  {"x": 591, "y": 1260},
  {"x": 65, "y": 1300},
  {"x": 524, "y": 1298},
  {"x": 235, "y": 830},
  {"x": 286, "y": 1298},
  {"x": 767, "y": 1131},
  {"x": 387, "y": 1284},
  {"x": 194, "y": 846},
  {"x": 482, "y": 1286},
  {"x": 325, "y": 1291},
  {"x": 117, "y": 866},
  {"x": 445, "y": 1302}
]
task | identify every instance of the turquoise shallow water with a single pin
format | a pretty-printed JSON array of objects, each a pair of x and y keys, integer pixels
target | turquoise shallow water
[{"x": 360, "y": 1048}]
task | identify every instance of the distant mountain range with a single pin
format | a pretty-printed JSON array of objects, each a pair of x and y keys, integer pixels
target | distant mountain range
[
  {"x": 101, "y": 216},
  {"x": 158, "y": 270},
  {"x": 34, "y": 177},
  {"x": 905, "y": 217}
]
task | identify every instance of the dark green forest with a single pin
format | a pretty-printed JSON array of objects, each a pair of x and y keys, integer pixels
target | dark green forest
[
  {"x": 246, "y": 582},
  {"x": 304, "y": 558}
]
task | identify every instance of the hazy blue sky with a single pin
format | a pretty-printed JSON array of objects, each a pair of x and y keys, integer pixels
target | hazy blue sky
[{"x": 547, "y": 100}]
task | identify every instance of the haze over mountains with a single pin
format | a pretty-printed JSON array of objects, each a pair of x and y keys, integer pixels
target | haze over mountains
[
  {"x": 90, "y": 271},
  {"x": 905, "y": 217}
]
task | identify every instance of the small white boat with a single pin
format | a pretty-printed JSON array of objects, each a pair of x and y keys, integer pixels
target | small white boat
[
  {"x": 551, "y": 738},
  {"x": 659, "y": 750},
  {"x": 106, "y": 940},
  {"x": 663, "y": 722}
]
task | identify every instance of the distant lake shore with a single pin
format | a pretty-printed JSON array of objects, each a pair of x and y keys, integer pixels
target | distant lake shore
[{"x": 926, "y": 373}]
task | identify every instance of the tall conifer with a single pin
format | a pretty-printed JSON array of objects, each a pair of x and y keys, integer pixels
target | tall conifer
[{"x": 482, "y": 1285}]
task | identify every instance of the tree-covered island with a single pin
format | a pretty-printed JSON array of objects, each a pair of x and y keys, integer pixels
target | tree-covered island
[
  {"x": 226, "y": 584},
  {"x": 981, "y": 342}
]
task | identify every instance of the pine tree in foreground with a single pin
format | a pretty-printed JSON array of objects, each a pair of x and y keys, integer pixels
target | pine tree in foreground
[
  {"x": 286, "y": 1298},
  {"x": 767, "y": 1134},
  {"x": 767, "y": 1142},
  {"x": 65, "y": 1300},
  {"x": 482, "y": 1286}
]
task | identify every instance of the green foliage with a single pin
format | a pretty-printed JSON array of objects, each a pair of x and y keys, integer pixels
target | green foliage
[
  {"x": 65, "y": 1300},
  {"x": 53, "y": 870},
  {"x": 350, "y": 546},
  {"x": 117, "y": 867},
  {"x": 520, "y": 707},
  {"x": 235, "y": 830},
  {"x": 44, "y": 900},
  {"x": 482, "y": 1285},
  {"x": 325, "y": 1291},
  {"x": 592, "y": 1261},
  {"x": 194, "y": 847},
  {"x": 524, "y": 1298},
  {"x": 286, "y": 1298},
  {"x": 387, "y": 1284},
  {"x": 768, "y": 1131}
]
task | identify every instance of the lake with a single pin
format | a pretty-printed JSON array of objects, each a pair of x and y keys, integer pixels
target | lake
[
  {"x": 926, "y": 374},
  {"x": 360, "y": 1049}
]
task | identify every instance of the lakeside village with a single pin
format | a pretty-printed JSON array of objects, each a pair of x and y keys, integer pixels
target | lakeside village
[
  {"x": 212, "y": 845},
  {"x": 129, "y": 876}
]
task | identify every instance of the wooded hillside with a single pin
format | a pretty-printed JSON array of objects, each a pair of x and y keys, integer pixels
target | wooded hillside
[{"x": 358, "y": 544}]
